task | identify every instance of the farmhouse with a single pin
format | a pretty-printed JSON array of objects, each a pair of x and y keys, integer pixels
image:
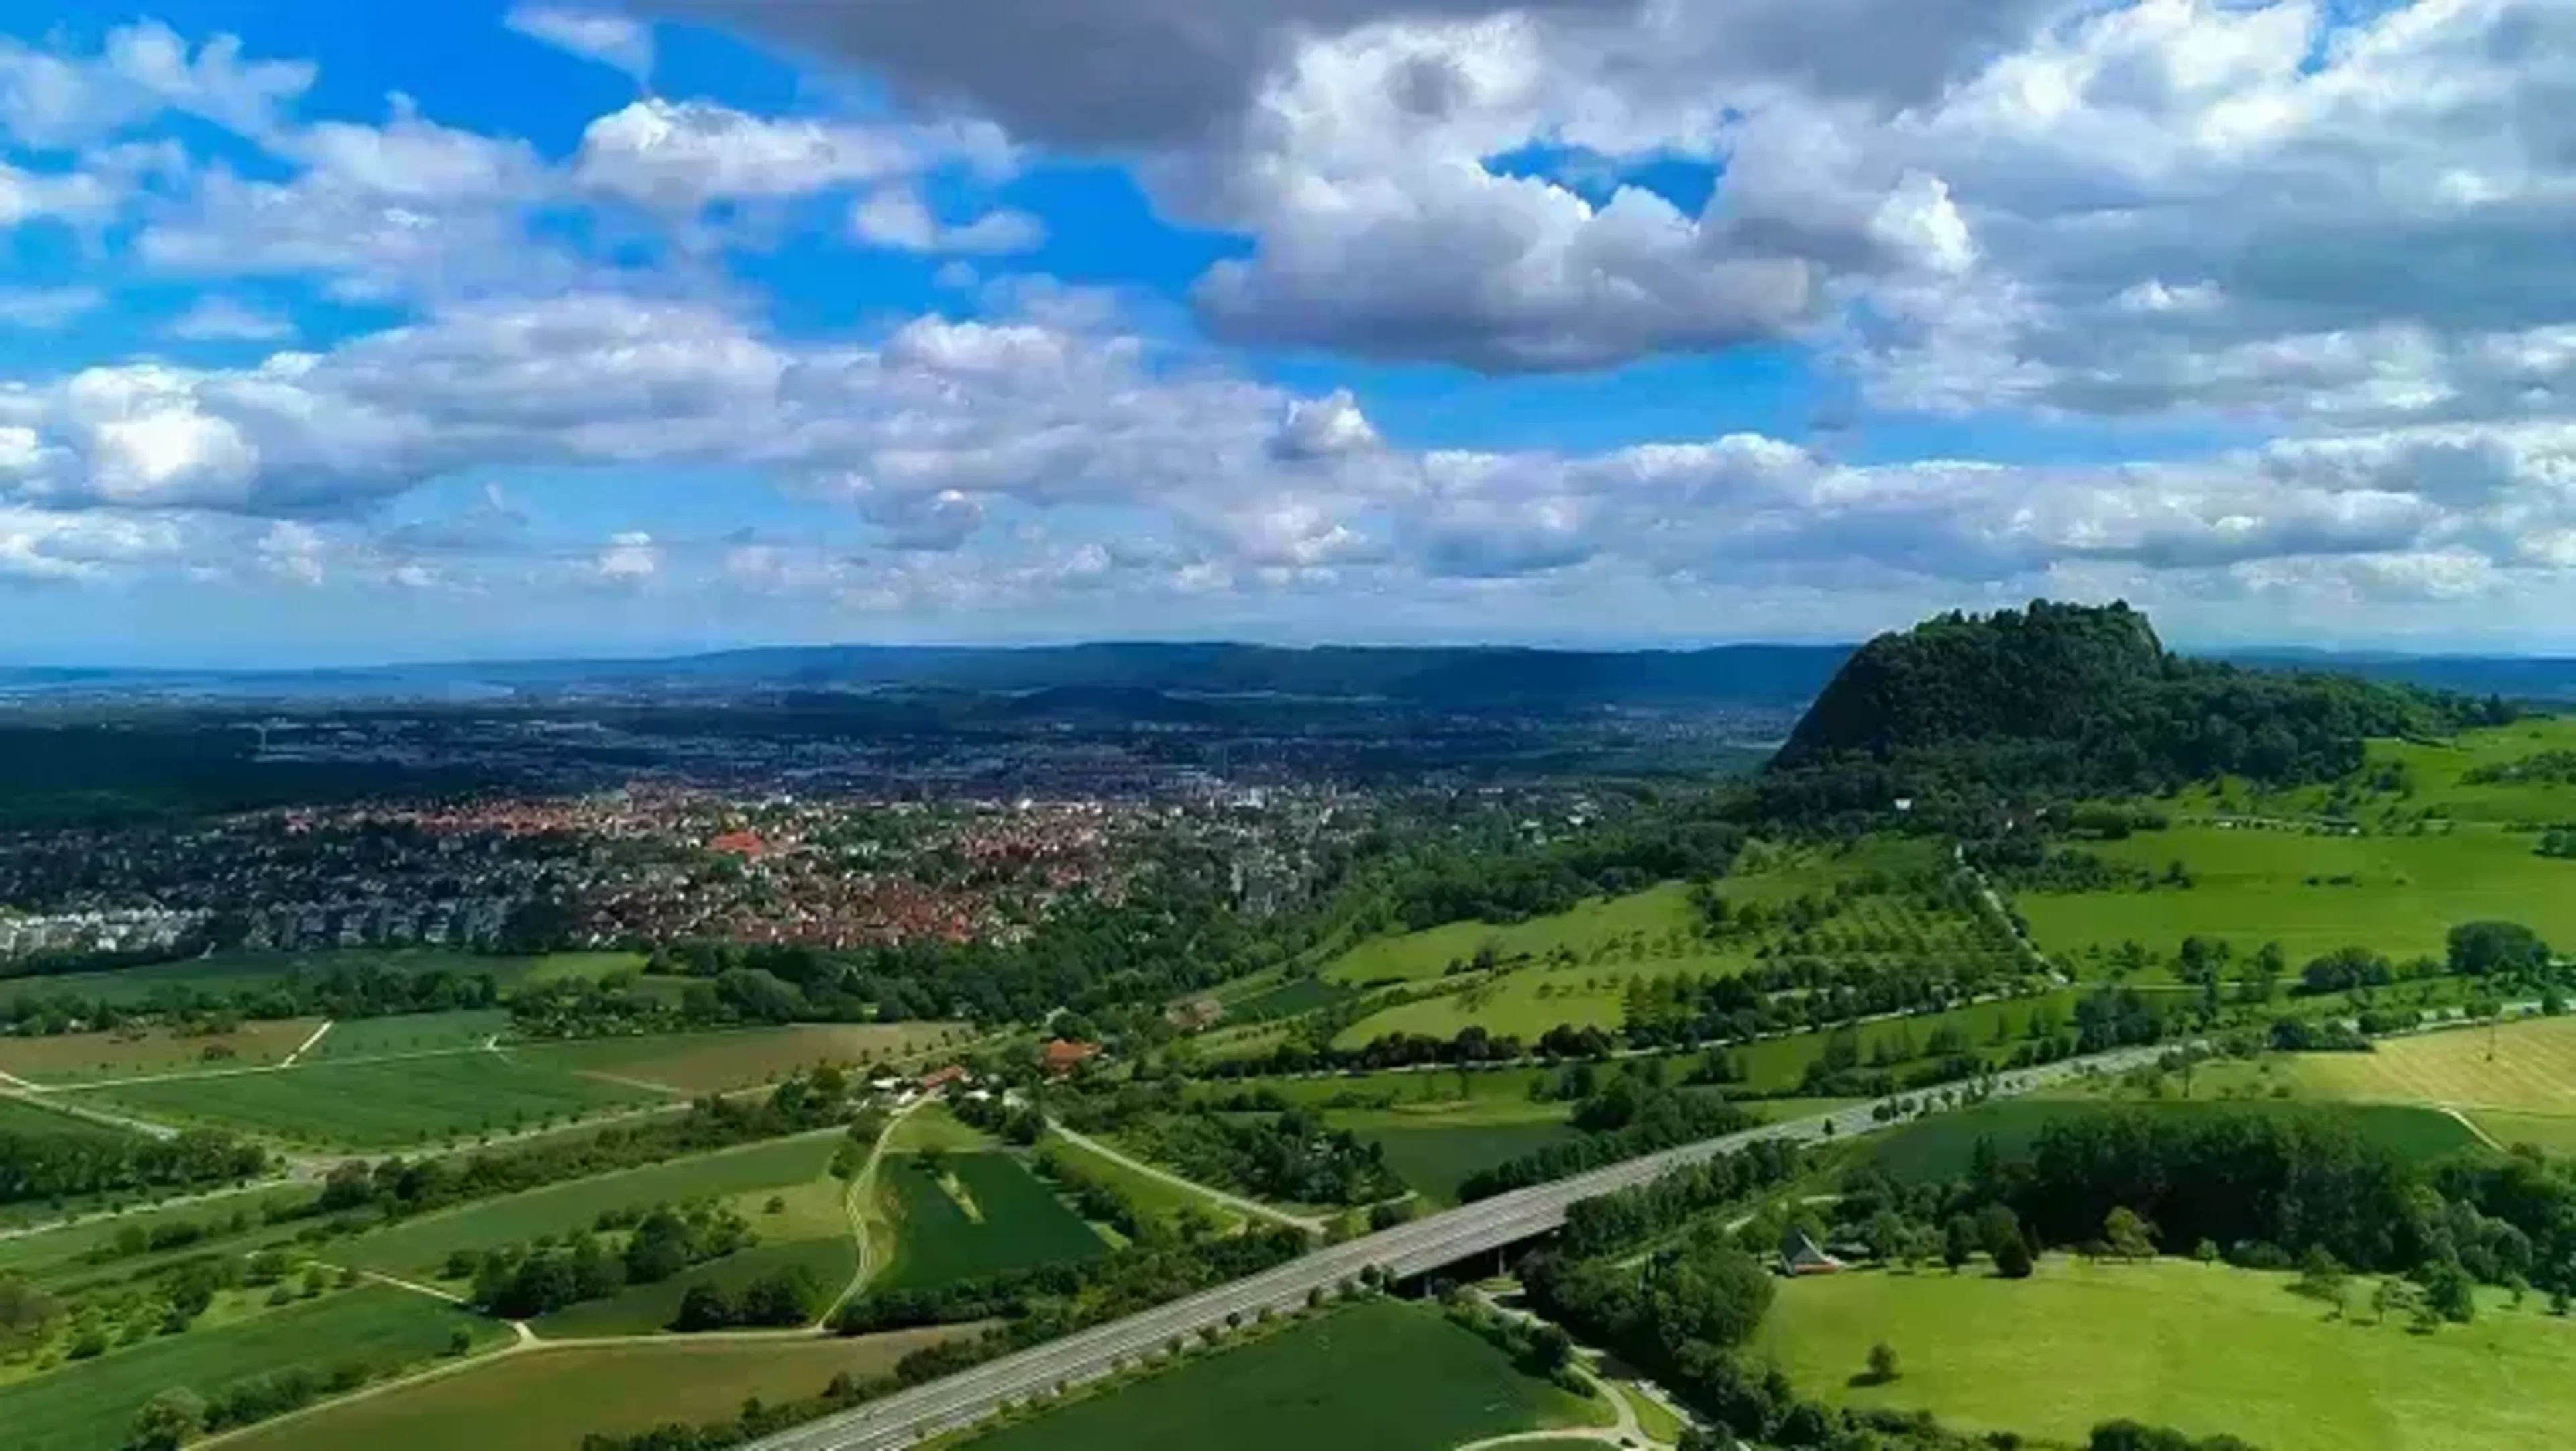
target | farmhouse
[
  {"x": 1063, "y": 1057},
  {"x": 1800, "y": 1255},
  {"x": 937, "y": 1080}
]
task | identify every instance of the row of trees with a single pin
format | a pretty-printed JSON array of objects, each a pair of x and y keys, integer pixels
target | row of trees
[
  {"x": 520, "y": 1282},
  {"x": 42, "y": 1166}
]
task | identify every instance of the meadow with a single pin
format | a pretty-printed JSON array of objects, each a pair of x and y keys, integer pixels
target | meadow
[
  {"x": 1377, "y": 1376},
  {"x": 86, "y": 1057},
  {"x": 388, "y": 1104},
  {"x": 90, "y": 1405},
  {"x": 422, "y": 1245},
  {"x": 30, "y": 1116},
  {"x": 2435, "y": 775},
  {"x": 548, "y": 1399},
  {"x": 2526, "y": 1067},
  {"x": 2203, "y": 1348},
  {"x": 695, "y": 1063},
  {"x": 1416, "y": 956},
  {"x": 1944, "y": 1146},
  {"x": 1015, "y": 1222},
  {"x": 2311, "y": 892},
  {"x": 410, "y": 1033},
  {"x": 1433, "y": 1159}
]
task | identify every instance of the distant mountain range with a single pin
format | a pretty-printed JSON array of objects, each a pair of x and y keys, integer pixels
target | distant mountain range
[{"x": 1768, "y": 676}]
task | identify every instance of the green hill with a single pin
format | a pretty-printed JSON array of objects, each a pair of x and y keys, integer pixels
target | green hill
[{"x": 2061, "y": 701}]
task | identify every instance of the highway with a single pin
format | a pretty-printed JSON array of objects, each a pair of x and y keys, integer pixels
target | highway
[{"x": 1425, "y": 1244}]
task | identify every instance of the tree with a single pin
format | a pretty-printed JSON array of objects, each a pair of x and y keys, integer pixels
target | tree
[
  {"x": 1997, "y": 1226},
  {"x": 1887, "y": 1236},
  {"x": 1882, "y": 1364},
  {"x": 2321, "y": 1276},
  {"x": 1959, "y": 1242},
  {"x": 1550, "y": 1350},
  {"x": 2013, "y": 1261},
  {"x": 167, "y": 1421},
  {"x": 2130, "y": 1237},
  {"x": 2449, "y": 1294},
  {"x": 2481, "y": 948}
]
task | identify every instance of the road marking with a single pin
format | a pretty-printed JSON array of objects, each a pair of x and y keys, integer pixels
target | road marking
[{"x": 307, "y": 1045}]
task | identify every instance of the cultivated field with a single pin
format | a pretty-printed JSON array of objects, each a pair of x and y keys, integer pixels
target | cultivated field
[
  {"x": 86, "y": 1057},
  {"x": 2310, "y": 892},
  {"x": 978, "y": 1215},
  {"x": 547, "y": 1400},
  {"x": 2532, "y": 1070},
  {"x": 1379, "y": 1376},
  {"x": 411, "y": 1033},
  {"x": 694, "y": 1063},
  {"x": 398, "y": 1103},
  {"x": 2203, "y": 1348},
  {"x": 54, "y": 1255},
  {"x": 422, "y": 1245},
  {"x": 90, "y": 1405}
]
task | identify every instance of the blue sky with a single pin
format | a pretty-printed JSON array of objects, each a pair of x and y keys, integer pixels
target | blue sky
[{"x": 335, "y": 333}]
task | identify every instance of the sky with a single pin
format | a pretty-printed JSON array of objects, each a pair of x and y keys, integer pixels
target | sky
[{"x": 339, "y": 333}]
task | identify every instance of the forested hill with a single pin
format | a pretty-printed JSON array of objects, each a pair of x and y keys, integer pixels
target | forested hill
[{"x": 2061, "y": 700}]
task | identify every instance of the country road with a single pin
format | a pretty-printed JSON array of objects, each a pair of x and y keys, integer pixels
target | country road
[{"x": 1425, "y": 1244}]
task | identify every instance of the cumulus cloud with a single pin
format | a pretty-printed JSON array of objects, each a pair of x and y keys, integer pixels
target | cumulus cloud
[
  {"x": 613, "y": 40},
  {"x": 684, "y": 155},
  {"x": 896, "y": 217},
  {"x": 50, "y": 100},
  {"x": 627, "y": 559},
  {"x": 42, "y": 309}
]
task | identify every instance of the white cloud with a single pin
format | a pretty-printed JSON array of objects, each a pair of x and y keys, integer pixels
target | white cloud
[
  {"x": 683, "y": 155},
  {"x": 627, "y": 560},
  {"x": 74, "y": 197},
  {"x": 57, "y": 101},
  {"x": 215, "y": 318},
  {"x": 46, "y": 308},
  {"x": 896, "y": 217},
  {"x": 613, "y": 40}
]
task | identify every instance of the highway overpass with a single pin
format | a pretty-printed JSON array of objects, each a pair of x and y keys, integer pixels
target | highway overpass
[{"x": 1411, "y": 1249}]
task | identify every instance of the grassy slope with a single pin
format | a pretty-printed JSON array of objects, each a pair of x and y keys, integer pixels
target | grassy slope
[
  {"x": 423, "y": 1244},
  {"x": 90, "y": 1405},
  {"x": 549, "y": 1400},
  {"x": 379, "y": 1105},
  {"x": 936, "y": 1241},
  {"x": 1379, "y": 1376},
  {"x": 54, "y": 1256},
  {"x": 2251, "y": 887},
  {"x": 1427, "y": 954},
  {"x": 2203, "y": 1348}
]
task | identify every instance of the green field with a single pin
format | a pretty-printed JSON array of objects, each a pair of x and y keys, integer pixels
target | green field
[
  {"x": 54, "y": 1255},
  {"x": 89, "y": 1405},
  {"x": 2398, "y": 894},
  {"x": 1944, "y": 1145},
  {"x": 1378, "y": 1376},
  {"x": 2433, "y": 779},
  {"x": 1015, "y": 1221},
  {"x": 2203, "y": 1348},
  {"x": 30, "y": 1116},
  {"x": 547, "y": 1400},
  {"x": 1434, "y": 1159},
  {"x": 694, "y": 1063},
  {"x": 382, "y": 1105},
  {"x": 411, "y": 1033},
  {"x": 237, "y": 971},
  {"x": 645, "y": 1309},
  {"x": 85, "y": 1057},
  {"x": 422, "y": 1245}
]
